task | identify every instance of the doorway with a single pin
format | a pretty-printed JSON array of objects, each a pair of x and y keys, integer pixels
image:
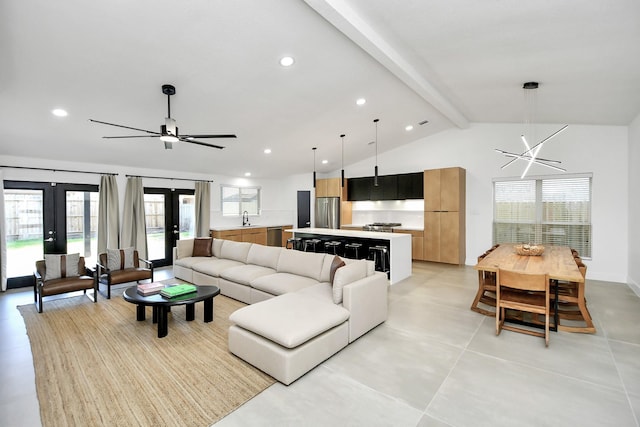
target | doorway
[
  {"x": 48, "y": 218},
  {"x": 304, "y": 209},
  {"x": 170, "y": 216}
]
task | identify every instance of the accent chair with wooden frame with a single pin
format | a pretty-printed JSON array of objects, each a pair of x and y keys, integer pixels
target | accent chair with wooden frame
[
  {"x": 117, "y": 266},
  {"x": 524, "y": 292},
  {"x": 64, "y": 274}
]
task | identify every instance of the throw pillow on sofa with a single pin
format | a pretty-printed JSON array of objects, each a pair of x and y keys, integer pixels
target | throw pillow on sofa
[
  {"x": 119, "y": 259},
  {"x": 202, "y": 247},
  {"x": 335, "y": 265},
  {"x": 59, "y": 266}
]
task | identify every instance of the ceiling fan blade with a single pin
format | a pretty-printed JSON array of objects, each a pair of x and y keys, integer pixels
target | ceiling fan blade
[
  {"x": 209, "y": 136},
  {"x": 124, "y": 127},
  {"x": 193, "y": 141},
  {"x": 132, "y": 136}
]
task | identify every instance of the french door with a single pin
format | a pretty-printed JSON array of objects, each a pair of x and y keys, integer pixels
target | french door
[
  {"x": 47, "y": 218},
  {"x": 170, "y": 216}
]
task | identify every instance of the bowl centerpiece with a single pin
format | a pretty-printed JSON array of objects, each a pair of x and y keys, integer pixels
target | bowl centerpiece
[{"x": 529, "y": 250}]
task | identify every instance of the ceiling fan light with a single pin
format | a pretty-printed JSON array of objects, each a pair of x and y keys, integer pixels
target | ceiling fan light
[{"x": 169, "y": 138}]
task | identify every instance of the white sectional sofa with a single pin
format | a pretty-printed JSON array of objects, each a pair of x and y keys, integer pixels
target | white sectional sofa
[{"x": 298, "y": 315}]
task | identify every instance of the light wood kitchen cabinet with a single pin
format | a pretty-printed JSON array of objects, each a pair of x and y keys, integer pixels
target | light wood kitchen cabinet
[
  {"x": 255, "y": 235},
  {"x": 329, "y": 187},
  {"x": 252, "y": 235},
  {"x": 235, "y": 235},
  {"x": 417, "y": 243},
  {"x": 444, "y": 215}
]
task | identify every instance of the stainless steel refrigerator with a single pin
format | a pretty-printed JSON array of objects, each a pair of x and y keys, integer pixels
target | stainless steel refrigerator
[{"x": 328, "y": 212}]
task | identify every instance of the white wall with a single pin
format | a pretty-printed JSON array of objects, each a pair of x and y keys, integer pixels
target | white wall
[
  {"x": 602, "y": 150},
  {"x": 634, "y": 205}
]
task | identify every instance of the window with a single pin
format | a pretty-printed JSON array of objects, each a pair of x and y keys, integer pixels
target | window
[
  {"x": 548, "y": 210},
  {"x": 236, "y": 200}
]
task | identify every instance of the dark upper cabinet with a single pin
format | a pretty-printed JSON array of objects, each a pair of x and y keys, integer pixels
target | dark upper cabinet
[
  {"x": 411, "y": 185},
  {"x": 359, "y": 188},
  {"x": 390, "y": 187},
  {"x": 387, "y": 188}
]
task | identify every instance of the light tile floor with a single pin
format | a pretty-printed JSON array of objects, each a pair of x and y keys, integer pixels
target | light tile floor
[{"x": 433, "y": 363}]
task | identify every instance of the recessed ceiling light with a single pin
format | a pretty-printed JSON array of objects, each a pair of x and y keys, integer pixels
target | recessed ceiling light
[
  {"x": 286, "y": 61},
  {"x": 59, "y": 112},
  {"x": 267, "y": 151},
  {"x": 324, "y": 162},
  {"x": 361, "y": 101},
  {"x": 247, "y": 174},
  {"x": 408, "y": 128}
]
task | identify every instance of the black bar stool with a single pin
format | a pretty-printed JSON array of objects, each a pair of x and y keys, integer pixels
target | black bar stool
[
  {"x": 380, "y": 254},
  {"x": 312, "y": 244},
  {"x": 332, "y": 247},
  {"x": 294, "y": 243},
  {"x": 352, "y": 249}
]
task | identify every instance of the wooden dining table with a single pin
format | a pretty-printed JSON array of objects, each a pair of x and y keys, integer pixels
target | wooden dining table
[{"x": 555, "y": 261}]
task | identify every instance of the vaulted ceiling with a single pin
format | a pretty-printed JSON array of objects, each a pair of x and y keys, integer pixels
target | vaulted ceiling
[{"x": 450, "y": 63}]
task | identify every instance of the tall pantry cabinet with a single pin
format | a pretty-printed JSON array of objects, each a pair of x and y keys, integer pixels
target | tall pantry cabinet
[{"x": 444, "y": 215}]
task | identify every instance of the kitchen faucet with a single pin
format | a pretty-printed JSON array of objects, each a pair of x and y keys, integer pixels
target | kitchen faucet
[{"x": 245, "y": 218}]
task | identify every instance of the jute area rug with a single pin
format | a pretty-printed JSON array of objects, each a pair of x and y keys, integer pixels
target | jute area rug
[{"x": 96, "y": 365}]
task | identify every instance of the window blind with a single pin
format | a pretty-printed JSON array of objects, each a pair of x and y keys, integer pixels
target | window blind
[{"x": 547, "y": 210}]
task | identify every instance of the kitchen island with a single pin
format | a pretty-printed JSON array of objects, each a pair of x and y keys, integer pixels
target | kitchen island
[{"x": 399, "y": 246}]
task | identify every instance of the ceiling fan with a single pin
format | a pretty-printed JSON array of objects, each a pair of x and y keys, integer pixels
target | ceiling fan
[{"x": 168, "y": 131}]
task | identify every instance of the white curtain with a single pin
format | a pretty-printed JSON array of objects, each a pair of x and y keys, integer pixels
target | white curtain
[
  {"x": 134, "y": 230},
  {"x": 108, "y": 214},
  {"x": 203, "y": 208},
  {"x": 3, "y": 240}
]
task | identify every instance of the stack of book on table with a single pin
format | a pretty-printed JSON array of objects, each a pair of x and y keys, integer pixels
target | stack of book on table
[
  {"x": 152, "y": 288},
  {"x": 178, "y": 290}
]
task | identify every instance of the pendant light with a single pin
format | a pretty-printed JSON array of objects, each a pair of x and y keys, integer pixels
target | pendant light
[
  {"x": 342, "y": 171},
  {"x": 530, "y": 155},
  {"x": 314, "y": 166},
  {"x": 375, "y": 170}
]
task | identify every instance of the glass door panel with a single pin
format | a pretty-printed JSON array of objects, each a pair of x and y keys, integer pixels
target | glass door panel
[
  {"x": 82, "y": 224},
  {"x": 47, "y": 218},
  {"x": 170, "y": 215},
  {"x": 24, "y": 223},
  {"x": 155, "y": 219},
  {"x": 187, "y": 215}
]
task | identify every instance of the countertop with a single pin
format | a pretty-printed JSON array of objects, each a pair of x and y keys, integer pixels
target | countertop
[
  {"x": 381, "y": 235},
  {"x": 240, "y": 227},
  {"x": 401, "y": 228}
]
